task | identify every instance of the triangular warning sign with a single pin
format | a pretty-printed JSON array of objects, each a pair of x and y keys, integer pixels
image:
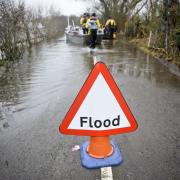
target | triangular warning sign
[{"x": 99, "y": 109}]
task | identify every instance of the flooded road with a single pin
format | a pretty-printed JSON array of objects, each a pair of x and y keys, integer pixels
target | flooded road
[{"x": 37, "y": 91}]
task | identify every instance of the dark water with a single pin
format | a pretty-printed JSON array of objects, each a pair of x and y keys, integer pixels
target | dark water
[
  {"x": 40, "y": 88},
  {"x": 40, "y": 76}
]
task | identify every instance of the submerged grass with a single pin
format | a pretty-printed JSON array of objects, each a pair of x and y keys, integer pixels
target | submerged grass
[
  {"x": 2, "y": 62},
  {"x": 159, "y": 53}
]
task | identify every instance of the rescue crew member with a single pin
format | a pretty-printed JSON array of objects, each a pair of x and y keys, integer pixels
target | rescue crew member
[
  {"x": 87, "y": 19},
  {"x": 83, "y": 21},
  {"x": 110, "y": 26},
  {"x": 93, "y": 24}
]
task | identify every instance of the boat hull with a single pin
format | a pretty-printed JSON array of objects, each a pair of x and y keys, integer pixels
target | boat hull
[{"x": 81, "y": 39}]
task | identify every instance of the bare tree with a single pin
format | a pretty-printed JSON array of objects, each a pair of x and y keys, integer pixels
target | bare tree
[
  {"x": 119, "y": 9},
  {"x": 11, "y": 26}
]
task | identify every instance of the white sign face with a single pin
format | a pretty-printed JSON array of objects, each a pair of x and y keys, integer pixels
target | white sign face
[{"x": 100, "y": 110}]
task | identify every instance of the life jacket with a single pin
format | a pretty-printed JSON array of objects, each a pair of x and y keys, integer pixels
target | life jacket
[
  {"x": 92, "y": 23},
  {"x": 83, "y": 20},
  {"x": 110, "y": 23}
]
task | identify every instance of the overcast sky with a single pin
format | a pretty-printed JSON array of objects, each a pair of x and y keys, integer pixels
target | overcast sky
[{"x": 66, "y": 7}]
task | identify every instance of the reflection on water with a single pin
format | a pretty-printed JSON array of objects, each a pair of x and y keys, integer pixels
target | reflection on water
[
  {"x": 128, "y": 60},
  {"x": 50, "y": 70}
]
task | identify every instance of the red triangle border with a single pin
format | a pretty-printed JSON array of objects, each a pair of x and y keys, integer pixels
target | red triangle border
[{"x": 99, "y": 67}]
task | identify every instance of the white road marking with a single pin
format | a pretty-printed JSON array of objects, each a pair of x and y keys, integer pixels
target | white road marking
[
  {"x": 106, "y": 173},
  {"x": 96, "y": 59}
]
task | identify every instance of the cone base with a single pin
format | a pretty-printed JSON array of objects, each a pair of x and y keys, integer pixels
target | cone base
[
  {"x": 93, "y": 163},
  {"x": 100, "y": 156}
]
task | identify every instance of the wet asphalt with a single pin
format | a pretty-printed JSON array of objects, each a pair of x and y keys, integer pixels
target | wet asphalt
[{"x": 37, "y": 91}]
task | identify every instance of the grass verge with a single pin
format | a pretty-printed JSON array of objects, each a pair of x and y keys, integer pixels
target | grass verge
[{"x": 159, "y": 53}]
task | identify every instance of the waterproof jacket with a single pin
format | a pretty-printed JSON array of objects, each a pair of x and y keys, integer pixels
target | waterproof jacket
[
  {"x": 93, "y": 23},
  {"x": 83, "y": 21},
  {"x": 110, "y": 23}
]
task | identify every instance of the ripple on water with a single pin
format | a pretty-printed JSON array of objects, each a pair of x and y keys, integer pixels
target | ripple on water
[{"x": 54, "y": 68}]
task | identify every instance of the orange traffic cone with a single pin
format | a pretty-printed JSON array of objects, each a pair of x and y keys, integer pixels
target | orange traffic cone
[{"x": 100, "y": 147}]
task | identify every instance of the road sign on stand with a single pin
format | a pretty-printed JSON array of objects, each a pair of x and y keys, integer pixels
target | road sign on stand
[{"x": 99, "y": 110}]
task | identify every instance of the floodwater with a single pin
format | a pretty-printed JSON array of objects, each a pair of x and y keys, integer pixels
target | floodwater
[{"x": 37, "y": 91}]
